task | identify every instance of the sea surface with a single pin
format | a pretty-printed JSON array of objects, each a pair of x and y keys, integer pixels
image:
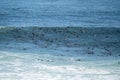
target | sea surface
[{"x": 60, "y": 13}]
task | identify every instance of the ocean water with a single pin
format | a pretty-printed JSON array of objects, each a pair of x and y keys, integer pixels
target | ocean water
[
  {"x": 34, "y": 53},
  {"x": 42, "y": 64},
  {"x": 60, "y": 13}
]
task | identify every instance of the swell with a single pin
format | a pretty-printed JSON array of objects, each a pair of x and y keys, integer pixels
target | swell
[
  {"x": 73, "y": 35},
  {"x": 106, "y": 40}
]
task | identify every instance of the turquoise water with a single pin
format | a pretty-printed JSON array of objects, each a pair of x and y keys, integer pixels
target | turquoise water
[{"x": 84, "y": 13}]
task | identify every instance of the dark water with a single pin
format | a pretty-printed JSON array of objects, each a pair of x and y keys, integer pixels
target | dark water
[{"x": 84, "y": 13}]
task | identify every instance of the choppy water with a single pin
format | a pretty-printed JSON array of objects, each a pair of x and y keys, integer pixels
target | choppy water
[
  {"x": 84, "y": 13},
  {"x": 17, "y": 64},
  {"x": 34, "y": 53}
]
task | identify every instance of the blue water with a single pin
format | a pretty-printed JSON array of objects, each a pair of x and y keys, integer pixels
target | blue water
[{"x": 83, "y": 13}]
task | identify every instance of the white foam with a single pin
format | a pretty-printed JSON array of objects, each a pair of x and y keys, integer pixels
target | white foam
[{"x": 25, "y": 66}]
